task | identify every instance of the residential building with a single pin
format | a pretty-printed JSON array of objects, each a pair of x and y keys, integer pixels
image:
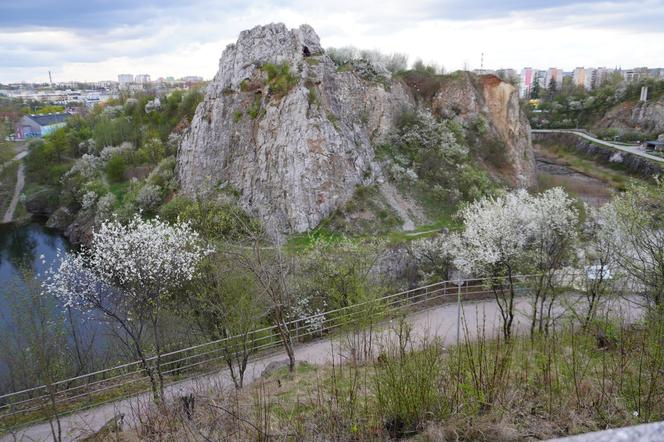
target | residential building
[
  {"x": 142, "y": 79},
  {"x": 635, "y": 74},
  {"x": 555, "y": 75},
  {"x": 602, "y": 75},
  {"x": 526, "y": 82},
  {"x": 579, "y": 76},
  {"x": 31, "y": 126},
  {"x": 590, "y": 80},
  {"x": 124, "y": 79}
]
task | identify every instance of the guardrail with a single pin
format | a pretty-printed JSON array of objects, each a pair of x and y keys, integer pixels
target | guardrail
[{"x": 66, "y": 396}]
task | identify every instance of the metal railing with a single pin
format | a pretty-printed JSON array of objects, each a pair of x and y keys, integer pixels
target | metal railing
[{"x": 32, "y": 405}]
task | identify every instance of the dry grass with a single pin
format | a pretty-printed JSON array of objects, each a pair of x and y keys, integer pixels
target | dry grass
[{"x": 527, "y": 389}]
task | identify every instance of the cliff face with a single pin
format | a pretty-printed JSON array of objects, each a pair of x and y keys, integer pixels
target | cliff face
[
  {"x": 295, "y": 143},
  {"x": 640, "y": 116},
  {"x": 496, "y": 103}
]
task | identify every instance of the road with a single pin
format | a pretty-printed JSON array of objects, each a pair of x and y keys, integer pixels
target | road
[
  {"x": 634, "y": 150},
  {"x": 438, "y": 322}
]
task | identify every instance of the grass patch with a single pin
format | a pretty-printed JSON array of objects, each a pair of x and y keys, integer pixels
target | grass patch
[
  {"x": 7, "y": 151},
  {"x": 120, "y": 190}
]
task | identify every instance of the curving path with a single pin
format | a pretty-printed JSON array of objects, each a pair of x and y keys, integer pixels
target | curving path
[
  {"x": 634, "y": 150},
  {"x": 440, "y": 322},
  {"x": 18, "y": 188}
]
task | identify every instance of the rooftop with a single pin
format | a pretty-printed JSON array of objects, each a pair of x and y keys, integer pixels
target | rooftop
[{"x": 49, "y": 119}]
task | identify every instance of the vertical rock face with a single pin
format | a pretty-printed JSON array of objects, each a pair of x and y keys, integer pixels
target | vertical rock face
[
  {"x": 469, "y": 97},
  {"x": 294, "y": 153},
  {"x": 295, "y": 143}
]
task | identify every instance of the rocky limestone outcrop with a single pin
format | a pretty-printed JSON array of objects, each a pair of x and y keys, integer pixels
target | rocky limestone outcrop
[
  {"x": 472, "y": 98},
  {"x": 293, "y": 156},
  {"x": 646, "y": 117},
  {"x": 295, "y": 144}
]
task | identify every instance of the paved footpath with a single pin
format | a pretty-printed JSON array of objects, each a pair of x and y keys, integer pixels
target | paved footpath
[
  {"x": 440, "y": 322},
  {"x": 634, "y": 150}
]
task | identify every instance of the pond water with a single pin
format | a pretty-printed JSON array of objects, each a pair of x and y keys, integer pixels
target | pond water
[{"x": 21, "y": 250}]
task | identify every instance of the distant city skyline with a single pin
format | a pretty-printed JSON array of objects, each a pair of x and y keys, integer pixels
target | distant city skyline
[{"x": 96, "y": 40}]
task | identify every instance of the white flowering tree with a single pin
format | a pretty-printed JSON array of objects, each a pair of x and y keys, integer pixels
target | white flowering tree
[
  {"x": 599, "y": 257},
  {"x": 552, "y": 230},
  {"x": 433, "y": 255},
  {"x": 494, "y": 244},
  {"x": 127, "y": 274},
  {"x": 635, "y": 221},
  {"x": 519, "y": 233}
]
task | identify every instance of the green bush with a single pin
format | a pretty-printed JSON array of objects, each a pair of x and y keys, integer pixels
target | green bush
[
  {"x": 279, "y": 78},
  {"x": 256, "y": 109},
  {"x": 214, "y": 220},
  {"x": 408, "y": 391},
  {"x": 115, "y": 168}
]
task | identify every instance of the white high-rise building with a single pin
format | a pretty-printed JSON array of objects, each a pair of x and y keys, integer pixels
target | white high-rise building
[
  {"x": 579, "y": 76},
  {"x": 142, "y": 78},
  {"x": 125, "y": 79},
  {"x": 556, "y": 75},
  {"x": 590, "y": 81}
]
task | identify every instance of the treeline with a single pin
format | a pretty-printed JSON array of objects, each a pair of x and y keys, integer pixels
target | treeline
[{"x": 118, "y": 157}]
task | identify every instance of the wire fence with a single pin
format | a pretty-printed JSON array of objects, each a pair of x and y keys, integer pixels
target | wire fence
[{"x": 35, "y": 404}]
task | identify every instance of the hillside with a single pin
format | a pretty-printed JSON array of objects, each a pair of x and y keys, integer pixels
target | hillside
[{"x": 630, "y": 116}]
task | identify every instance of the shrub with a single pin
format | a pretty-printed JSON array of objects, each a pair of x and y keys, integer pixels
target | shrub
[
  {"x": 152, "y": 151},
  {"x": 149, "y": 198},
  {"x": 89, "y": 199},
  {"x": 407, "y": 389},
  {"x": 164, "y": 174},
  {"x": 279, "y": 78},
  {"x": 115, "y": 168},
  {"x": 213, "y": 219},
  {"x": 256, "y": 109},
  {"x": 105, "y": 206}
]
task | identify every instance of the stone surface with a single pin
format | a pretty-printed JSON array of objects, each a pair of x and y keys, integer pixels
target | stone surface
[
  {"x": 640, "y": 116},
  {"x": 639, "y": 433},
  {"x": 60, "y": 219},
  {"x": 295, "y": 157},
  {"x": 306, "y": 152},
  {"x": 43, "y": 202},
  {"x": 469, "y": 97}
]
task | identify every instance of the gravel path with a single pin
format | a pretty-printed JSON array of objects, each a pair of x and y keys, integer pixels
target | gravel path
[
  {"x": 434, "y": 322},
  {"x": 18, "y": 188}
]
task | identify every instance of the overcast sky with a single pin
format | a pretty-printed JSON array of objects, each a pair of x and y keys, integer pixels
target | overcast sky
[{"x": 99, "y": 39}]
